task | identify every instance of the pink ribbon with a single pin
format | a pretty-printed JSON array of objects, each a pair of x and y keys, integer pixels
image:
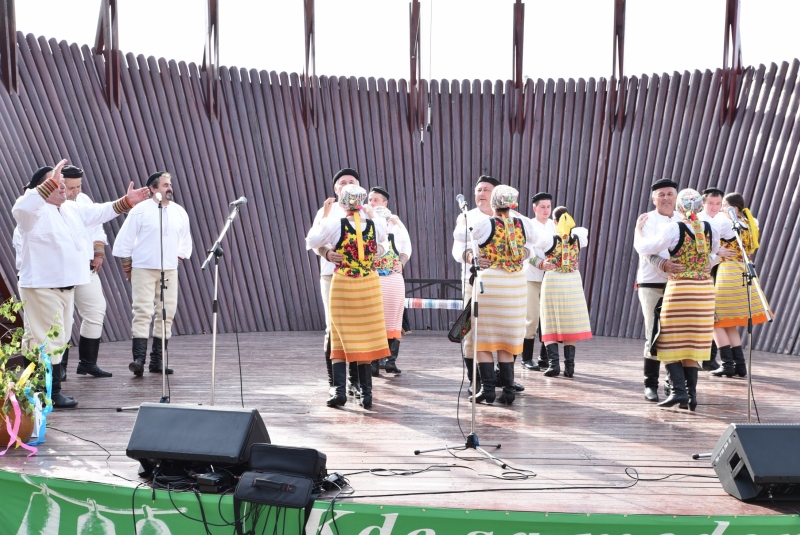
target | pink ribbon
[{"x": 13, "y": 431}]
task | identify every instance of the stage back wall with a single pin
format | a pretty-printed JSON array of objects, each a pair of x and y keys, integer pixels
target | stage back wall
[{"x": 259, "y": 147}]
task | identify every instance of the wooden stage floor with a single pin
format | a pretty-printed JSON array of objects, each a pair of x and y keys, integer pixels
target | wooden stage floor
[{"x": 572, "y": 433}]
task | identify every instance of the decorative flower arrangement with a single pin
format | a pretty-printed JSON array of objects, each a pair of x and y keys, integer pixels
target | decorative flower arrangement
[{"x": 22, "y": 385}]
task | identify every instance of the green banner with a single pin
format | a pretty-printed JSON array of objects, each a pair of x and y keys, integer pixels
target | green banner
[{"x": 47, "y": 506}]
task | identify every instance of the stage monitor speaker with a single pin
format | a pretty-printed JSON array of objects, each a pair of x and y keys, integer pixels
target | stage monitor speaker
[
  {"x": 759, "y": 461},
  {"x": 193, "y": 433}
]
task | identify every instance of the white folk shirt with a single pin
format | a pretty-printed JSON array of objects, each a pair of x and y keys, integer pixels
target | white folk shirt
[
  {"x": 96, "y": 233},
  {"x": 646, "y": 273},
  {"x": 53, "y": 240},
  {"x": 337, "y": 212},
  {"x": 545, "y": 242},
  {"x": 548, "y": 228},
  {"x": 329, "y": 231},
  {"x": 402, "y": 240},
  {"x": 667, "y": 238},
  {"x": 139, "y": 240}
]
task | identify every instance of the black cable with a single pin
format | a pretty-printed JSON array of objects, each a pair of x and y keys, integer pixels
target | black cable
[
  {"x": 133, "y": 505},
  {"x": 108, "y": 456},
  {"x": 790, "y": 509}
]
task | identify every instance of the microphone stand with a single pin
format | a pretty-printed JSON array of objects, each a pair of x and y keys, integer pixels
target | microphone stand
[
  {"x": 472, "y": 441},
  {"x": 216, "y": 252},
  {"x": 164, "y": 357},
  {"x": 748, "y": 276}
]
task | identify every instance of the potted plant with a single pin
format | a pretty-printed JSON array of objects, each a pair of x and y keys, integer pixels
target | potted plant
[{"x": 23, "y": 374}]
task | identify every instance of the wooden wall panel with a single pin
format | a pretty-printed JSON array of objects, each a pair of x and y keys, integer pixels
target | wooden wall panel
[{"x": 261, "y": 148}]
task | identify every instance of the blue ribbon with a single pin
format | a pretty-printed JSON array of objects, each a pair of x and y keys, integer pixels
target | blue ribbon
[{"x": 48, "y": 381}]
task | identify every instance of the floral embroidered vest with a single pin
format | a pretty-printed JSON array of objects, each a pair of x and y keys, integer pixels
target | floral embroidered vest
[
  {"x": 564, "y": 254},
  {"x": 497, "y": 249},
  {"x": 686, "y": 253},
  {"x": 386, "y": 263},
  {"x": 747, "y": 242},
  {"x": 351, "y": 266}
]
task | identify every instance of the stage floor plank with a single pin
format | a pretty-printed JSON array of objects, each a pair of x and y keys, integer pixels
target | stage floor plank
[{"x": 572, "y": 433}]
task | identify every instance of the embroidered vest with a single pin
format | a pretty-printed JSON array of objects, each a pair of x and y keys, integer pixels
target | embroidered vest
[
  {"x": 747, "y": 242},
  {"x": 351, "y": 266},
  {"x": 498, "y": 247},
  {"x": 386, "y": 263},
  {"x": 686, "y": 253},
  {"x": 564, "y": 254}
]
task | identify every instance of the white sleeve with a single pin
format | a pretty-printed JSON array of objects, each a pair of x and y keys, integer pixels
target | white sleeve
[
  {"x": 725, "y": 228},
  {"x": 544, "y": 242},
  {"x": 27, "y": 209},
  {"x": 582, "y": 234},
  {"x": 531, "y": 235},
  {"x": 460, "y": 238},
  {"x": 96, "y": 213},
  {"x": 482, "y": 230},
  {"x": 126, "y": 238},
  {"x": 666, "y": 239},
  {"x": 402, "y": 240},
  {"x": 99, "y": 234},
  {"x": 185, "y": 239},
  {"x": 329, "y": 230},
  {"x": 381, "y": 232}
]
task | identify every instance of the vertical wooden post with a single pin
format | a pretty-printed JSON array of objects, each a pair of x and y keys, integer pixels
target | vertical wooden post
[
  {"x": 309, "y": 90},
  {"x": 415, "y": 65},
  {"x": 516, "y": 101},
  {"x": 731, "y": 62},
  {"x": 211, "y": 60},
  {"x": 107, "y": 43},
  {"x": 8, "y": 46},
  {"x": 617, "y": 82}
]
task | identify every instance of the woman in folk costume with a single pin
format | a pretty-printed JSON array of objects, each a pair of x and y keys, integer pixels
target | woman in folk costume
[
  {"x": 358, "y": 330},
  {"x": 564, "y": 315},
  {"x": 502, "y": 239},
  {"x": 731, "y": 302},
  {"x": 390, "y": 266},
  {"x": 687, "y": 310}
]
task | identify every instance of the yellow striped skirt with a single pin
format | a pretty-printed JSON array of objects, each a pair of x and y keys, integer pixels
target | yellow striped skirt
[
  {"x": 394, "y": 303},
  {"x": 501, "y": 311},
  {"x": 731, "y": 303},
  {"x": 358, "y": 330},
  {"x": 563, "y": 311},
  {"x": 686, "y": 320}
]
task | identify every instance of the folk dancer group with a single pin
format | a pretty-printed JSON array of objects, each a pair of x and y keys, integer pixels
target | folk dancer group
[
  {"x": 690, "y": 287},
  {"x": 60, "y": 247}
]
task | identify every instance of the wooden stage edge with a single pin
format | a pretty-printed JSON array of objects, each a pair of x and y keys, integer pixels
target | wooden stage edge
[{"x": 584, "y": 438}]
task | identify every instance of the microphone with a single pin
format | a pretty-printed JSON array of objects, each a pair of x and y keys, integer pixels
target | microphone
[
  {"x": 238, "y": 202},
  {"x": 732, "y": 212},
  {"x": 158, "y": 197},
  {"x": 462, "y": 204}
]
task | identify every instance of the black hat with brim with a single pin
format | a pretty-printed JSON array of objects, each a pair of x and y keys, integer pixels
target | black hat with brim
[
  {"x": 38, "y": 176},
  {"x": 541, "y": 196},
  {"x": 70, "y": 171},
  {"x": 714, "y": 191},
  {"x": 382, "y": 191},
  {"x": 345, "y": 172},
  {"x": 488, "y": 179},
  {"x": 663, "y": 183},
  {"x": 152, "y": 179}
]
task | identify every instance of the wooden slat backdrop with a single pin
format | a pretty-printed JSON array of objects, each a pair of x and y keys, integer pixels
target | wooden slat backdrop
[{"x": 260, "y": 148}]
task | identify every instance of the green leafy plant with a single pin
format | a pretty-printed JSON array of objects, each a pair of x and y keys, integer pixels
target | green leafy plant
[{"x": 11, "y": 346}]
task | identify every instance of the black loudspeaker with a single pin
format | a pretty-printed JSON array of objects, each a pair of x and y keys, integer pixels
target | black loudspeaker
[
  {"x": 192, "y": 433},
  {"x": 759, "y": 461}
]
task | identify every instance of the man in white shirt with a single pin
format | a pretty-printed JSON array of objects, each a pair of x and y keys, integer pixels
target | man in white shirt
[
  {"x": 89, "y": 299},
  {"x": 53, "y": 259},
  {"x": 542, "y": 206},
  {"x": 328, "y": 258},
  {"x": 712, "y": 212},
  {"x": 139, "y": 245},
  {"x": 651, "y": 281},
  {"x": 463, "y": 253}
]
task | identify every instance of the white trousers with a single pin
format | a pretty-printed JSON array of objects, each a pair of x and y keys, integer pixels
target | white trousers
[
  {"x": 325, "y": 290},
  {"x": 44, "y": 308},
  {"x": 648, "y": 298},
  {"x": 532, "y": 312},
  {"x": 146, "y": 290},
  {"x": 91, "y": 305}
]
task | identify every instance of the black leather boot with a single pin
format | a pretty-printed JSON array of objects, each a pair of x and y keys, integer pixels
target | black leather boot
[
  {"x": 553, "y": 367},
  {"x": 542, "y": 362},
  {"x": 60, "y": 401},
  {"x": 88, "y": 348},
  {"x": 365, "y": 376},
  {"x": 62, "y": 368},
  {"x": 391, "y": 362},
  {"x": 328, "y": 364},
  {"x": 569, "y": 361},
  {"x": 678, "y": 395},
  {"x": 711, "y": 364},
  {"x": 739, "y": 364},
  {"x": 487, "y": 378},
  {"x": 375, "y": 368},
  {"x": 156, "y": 358},
  {"x": 651, "y": 368},
  {"x": 507, "y": 373},
  {"x": 468, "y": 365},
  {"x": 339, "y": 398},
  {"x": 691, "y": 386},
  {"x": 355, "y": 380},
  {"x": 499, "y": 379},
  {"x": 139, "y": 356},
  {"x": 728, "y": 368},
  {"x": 517, "y": 387},
  {"x": 527, "y": 355}
]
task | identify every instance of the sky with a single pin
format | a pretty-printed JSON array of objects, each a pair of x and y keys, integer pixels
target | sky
[{"x": 461, "y": 39}]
